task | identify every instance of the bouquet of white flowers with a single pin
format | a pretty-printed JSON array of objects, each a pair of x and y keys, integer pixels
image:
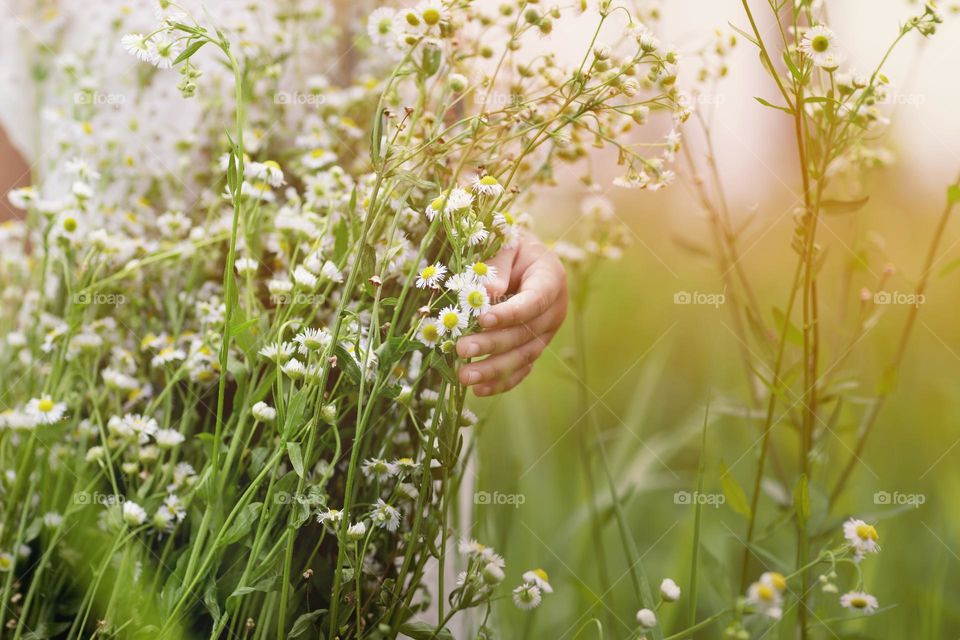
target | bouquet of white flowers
[{"x": 235, "y": 408}]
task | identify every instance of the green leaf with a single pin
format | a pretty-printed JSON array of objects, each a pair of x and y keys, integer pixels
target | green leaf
[
  {"x": 801, "y": 499},
  {"x": 425, "y": 631},
  {"x": 734, "y": 493},
  {"x": 432, "y": 57},
  {"x": 266, "y": 585},
  {"x": 303, "y": 624},
  {"x": 242, "y": 524},
  {"x": 836, "y": 207},
  {"x": 189, "y": 51},
  {"x": 794, "y": 335},
  {"x": 794, "y": 71},
  {"x": 50, "y": 630},
  {"x": 743, "y": 33},
  {"x": 772, "y": 106},
  {"x": 296, "y": 457},
  {"x": 953, "y": 193}
]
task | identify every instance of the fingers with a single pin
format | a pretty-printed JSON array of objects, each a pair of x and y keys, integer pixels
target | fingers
[
  {"x": 515, "y": 379},
  {"x": 501, "y": 367},
  {"x": 543, "y": 284},
  {"x": 497, "y": 341},
  {"x": 503, "y": 263}
]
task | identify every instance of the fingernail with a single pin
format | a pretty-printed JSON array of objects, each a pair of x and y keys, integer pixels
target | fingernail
[
  {"x": 471, "y": 377},
  {"x": 469, "y": 349},
  {"x": 488, "y": 320}
]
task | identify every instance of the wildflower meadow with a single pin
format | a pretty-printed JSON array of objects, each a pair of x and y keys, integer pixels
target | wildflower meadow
[{"x": 448, "y": 320}]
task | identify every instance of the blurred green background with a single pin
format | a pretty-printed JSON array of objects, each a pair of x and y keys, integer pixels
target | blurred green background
[{"x": 652, "y": 366}]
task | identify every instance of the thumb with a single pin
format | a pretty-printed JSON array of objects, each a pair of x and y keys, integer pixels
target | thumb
[{"x": 503, "y": 264}]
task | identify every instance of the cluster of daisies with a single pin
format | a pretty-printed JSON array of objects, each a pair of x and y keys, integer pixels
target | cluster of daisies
[{"x": 766, "y": 596}]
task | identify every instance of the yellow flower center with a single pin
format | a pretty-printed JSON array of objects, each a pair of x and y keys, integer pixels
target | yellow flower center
[
  {"x": 475, "y": 299},
  {"x": 481, "y": 268},
  {"x": 428, "y": 272},
  {"x": 412, "y": 19},
  {"x": 316, "y": 153},
  {"x": 70, "y": 224},
  {"x": 765, "y": 593},
  {"x": 488, "y": 181},
  {"x": 431, "y": 16},
  {"x": 867, "y": 532},
  {"x": 430, "y": 333},
  {"x": 437, "y": 204},
  {"x": 45, "y": 405},
  {"x": 451, "y": 320},
  {"x": 820, "y": 44},
  {"x": 540, "y": 573},
  {"x": 271, "y": 164},
  {"x": 778, "y": 581},
  {"x": 858, "y": 602}
]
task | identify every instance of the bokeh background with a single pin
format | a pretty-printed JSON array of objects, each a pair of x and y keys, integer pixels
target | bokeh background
[{"x": 653, "y": 365}]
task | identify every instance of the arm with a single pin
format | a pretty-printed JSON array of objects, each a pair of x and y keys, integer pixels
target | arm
[{"x": 531, "y": 294}]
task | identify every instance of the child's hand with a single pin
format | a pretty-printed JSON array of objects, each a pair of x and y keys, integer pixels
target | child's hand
[{"x": 530, "y": 303}]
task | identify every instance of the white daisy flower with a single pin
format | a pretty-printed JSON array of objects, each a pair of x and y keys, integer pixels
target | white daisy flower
[
  {"x": 133, "y": 514},
  {"x": 279, "y": 352},
  {"x": 487, "y": 186},
  {"x": 820, "y": 44},
  {"x": 859, "y": 601},
  {"x": 429, "y": 332},
  {"x": 269, "y": 172},
  {"x": 294, "y": 369},
  {"x": 863, "y": 537},
  {"x": 458, "y": 282},
  {"x": 168, "y": 438},
  {"x": 6, "y": 562},
  {"x": 646, "y": 618},
  {"x": 44, "y": 410},
  {"x": 163, "y": 51},
  {"x": 458, "y": 200},
  {"x": 245, "y": 266},
  {"x": 263, "y": 412},
  {"x": 476, "y": 233},
  {"x": 766, "y": 599},
  {"x": 539, "y": 578},
  {"x": 356, "y": 531},
  {"x": 304, "y": 279},
  {"x": 311, "y": 339},
  {"x": 482, "y": 272},
  {"x": 330, "y": 272},
  {"x": 167, "y": 355},
  {"x": 333, "y": 516},
  {"x": 527, "y": 596},
  {"x": 474, "y": 299},
  {"x": 431, "y": 276},
  {"x": 452, "y": 321},
  {"x": 380, "y": 27},
  {"x": 385, "y": 516},
  {"x": 137, "y": 45},
  {"x": 318, "y": 159},
  {"x": 378, "y": 468}
]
